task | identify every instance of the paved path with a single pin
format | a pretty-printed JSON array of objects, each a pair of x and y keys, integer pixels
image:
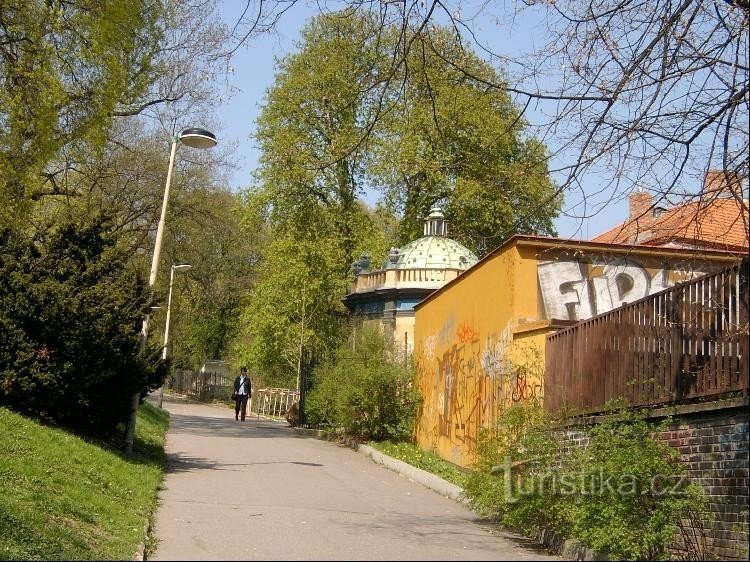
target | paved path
[{"x": 258, "y": 490}]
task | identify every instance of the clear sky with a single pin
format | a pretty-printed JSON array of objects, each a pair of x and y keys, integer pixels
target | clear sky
[{"x": 254, "y": 68}]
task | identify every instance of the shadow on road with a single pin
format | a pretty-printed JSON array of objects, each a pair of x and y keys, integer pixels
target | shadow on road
[{"x": 181, "y": 463}]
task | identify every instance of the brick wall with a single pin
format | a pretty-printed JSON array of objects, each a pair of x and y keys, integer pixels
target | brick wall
[
  {"x": 713, "y": 445},
  {"x": 712, "y": 440}
]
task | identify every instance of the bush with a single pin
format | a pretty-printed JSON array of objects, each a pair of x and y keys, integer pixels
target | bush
[
  {"x": 623, "y": 494},
  {"x": 70, "y": 318},
  {"x": 513, "y": 460},
  {"x": 364, "y": 391}
]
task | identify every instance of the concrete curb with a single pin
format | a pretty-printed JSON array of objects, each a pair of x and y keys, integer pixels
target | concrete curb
[
  {"x": 435, "y": 483},
  {"x": 571, "y": 549}
]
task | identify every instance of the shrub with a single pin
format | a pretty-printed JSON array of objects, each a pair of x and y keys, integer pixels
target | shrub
[
  {"x": 70, "y": 319},
  {"x": 622, "y": 494},
  {"x": 635, "y": 515},
  {"x": 365, "y": 390}
]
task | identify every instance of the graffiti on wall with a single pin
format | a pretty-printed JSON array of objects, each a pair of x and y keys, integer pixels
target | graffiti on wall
[
  {"x": 524, "y": 387},
  {"x": 471, "y": 378},
  {"x": 573, "y": 290},
  {"x": 493, "y": 356}
]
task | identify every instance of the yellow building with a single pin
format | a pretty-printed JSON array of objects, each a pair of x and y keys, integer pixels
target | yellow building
[{"x": 479, "y": 340}]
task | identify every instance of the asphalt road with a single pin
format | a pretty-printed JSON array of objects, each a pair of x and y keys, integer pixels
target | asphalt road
[{"x": 259, "y": 490}]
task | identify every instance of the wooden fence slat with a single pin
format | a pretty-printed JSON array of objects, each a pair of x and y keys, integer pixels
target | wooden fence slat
[{"x": 685, "y": 342}]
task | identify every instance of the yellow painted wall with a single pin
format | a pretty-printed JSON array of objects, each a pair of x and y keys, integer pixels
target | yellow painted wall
[
  {"x": 459, "y": 340},
  {"x": 404, "y": 325},
  {"x": 479, "y": 342}
]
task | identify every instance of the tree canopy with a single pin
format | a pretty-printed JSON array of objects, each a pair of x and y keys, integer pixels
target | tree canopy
[
  {"x": 87, "y": 58},
  {"x": 337, "y": 122},
  {"x": 647, "y": 95}
]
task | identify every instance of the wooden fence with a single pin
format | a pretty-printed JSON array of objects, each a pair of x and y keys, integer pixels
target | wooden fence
[{"x": 685, "y": 343}]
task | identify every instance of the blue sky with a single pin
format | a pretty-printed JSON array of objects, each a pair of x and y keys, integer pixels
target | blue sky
[{"x": 254, "y": 68}]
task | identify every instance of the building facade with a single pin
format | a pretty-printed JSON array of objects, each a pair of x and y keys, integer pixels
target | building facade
[
  {"x": 387, "y": 296},
  {"x": 480, "y": 339}
]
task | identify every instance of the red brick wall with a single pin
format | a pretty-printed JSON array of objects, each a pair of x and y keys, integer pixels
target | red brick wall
[
  {"x": 712, "y": 440},
  {"x": 714, "y": 447}
]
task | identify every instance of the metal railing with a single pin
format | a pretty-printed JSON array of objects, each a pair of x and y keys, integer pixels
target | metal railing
[
  {"x": 272, "y": 402},
  {"x": 203, "y": 386},
  {"x": 209, "y": 387}
]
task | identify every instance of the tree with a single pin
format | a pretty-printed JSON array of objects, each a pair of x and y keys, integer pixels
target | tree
[
  {"x": 648, "y": 94},
  {"x": 206, "y": 232},
  {"x": 70, "y": 313},
  {"x": 294, "y": 305},
  {"x": 87, "y": 58},
  {"x": 310, "y": 127},
  {"x": 101, "y": 66},
  {"x": 447, "y": 138},
  {"x": 337, "y": 120}
]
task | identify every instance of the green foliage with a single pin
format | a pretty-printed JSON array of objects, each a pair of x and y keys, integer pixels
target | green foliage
[
  {"x": 449, "y": 138},
  {"x": 64, "y": 498},
  {"x": 206, "y": 300},
  {"x": 88, "y": 58},
  {"x": 293, "y": 306},
  {"x": 310, "y": 132},
  {"x": 72, "y": 310},
  {"x": 623, "y": 494},
  {"x": 637, "y": 520},
  {"x": 365, "y": 390},
  {"x": 513, "y": 456}
]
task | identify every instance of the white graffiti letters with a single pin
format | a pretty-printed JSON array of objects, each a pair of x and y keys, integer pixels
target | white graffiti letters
[{"x": 565, "y": 288}]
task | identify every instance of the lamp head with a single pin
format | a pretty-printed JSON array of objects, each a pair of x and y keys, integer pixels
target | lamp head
[
  {"x": 196, "y": 137},
  {"x": 182, "y": 266}
]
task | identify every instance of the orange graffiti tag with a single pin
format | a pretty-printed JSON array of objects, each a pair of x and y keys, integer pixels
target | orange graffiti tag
[{"x": 466, "y": 333}]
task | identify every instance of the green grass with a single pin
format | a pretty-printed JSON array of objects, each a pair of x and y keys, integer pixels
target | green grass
[
  {"x": 428, "y": 461},
  {"x": 65, "y": 498}
]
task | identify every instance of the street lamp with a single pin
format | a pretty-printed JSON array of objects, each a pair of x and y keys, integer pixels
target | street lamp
[
  {"x": 193, "y": 137},
  {"x": 175, "y": 267}
]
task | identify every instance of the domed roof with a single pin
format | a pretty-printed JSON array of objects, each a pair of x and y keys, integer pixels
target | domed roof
[{"x": 433, "y": 251}]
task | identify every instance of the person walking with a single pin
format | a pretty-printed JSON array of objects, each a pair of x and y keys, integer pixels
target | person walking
[{"x": 243, "y": 390}]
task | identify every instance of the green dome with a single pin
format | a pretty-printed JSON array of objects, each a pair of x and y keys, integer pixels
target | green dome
[{"x": 433, "y": 252}]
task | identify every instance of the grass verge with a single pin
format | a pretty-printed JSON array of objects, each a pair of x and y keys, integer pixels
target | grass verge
[
  {"x": 432, "y": 463},
  {"x": 63, "y": 497}
]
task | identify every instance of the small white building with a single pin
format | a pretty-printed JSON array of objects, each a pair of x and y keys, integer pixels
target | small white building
[{"x": 217, "y": 366}]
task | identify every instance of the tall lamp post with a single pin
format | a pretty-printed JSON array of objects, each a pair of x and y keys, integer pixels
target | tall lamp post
[
  {"x": 175, "y": 267},
  {"x": 193, "y": 137}
]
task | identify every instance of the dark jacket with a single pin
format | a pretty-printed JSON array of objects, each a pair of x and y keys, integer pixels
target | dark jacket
[{"x": 248, "y": 385}]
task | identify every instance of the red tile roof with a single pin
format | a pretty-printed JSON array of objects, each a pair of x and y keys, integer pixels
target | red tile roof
[{"x": 720, "y": 223}]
